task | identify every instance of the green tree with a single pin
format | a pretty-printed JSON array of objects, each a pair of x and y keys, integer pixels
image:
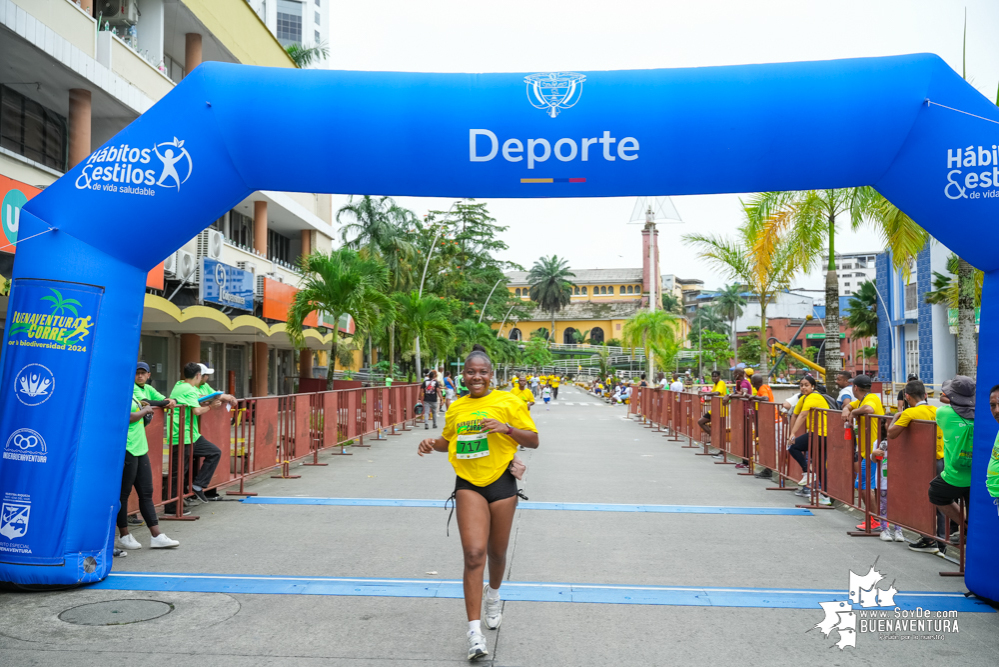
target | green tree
[
  {"x": 671, "y": 303},
  {"x": 808, "y": 220},
  {"x": 536, "y": 353},
  {"x": 863, "y": 305},
  {"x": 551, "y": 288},
  {"x": 338, "y": 283},
  {"x": 708, "y": 319},
  {"x": 306, "y": 55},
  {"x": 377, "y": 226},
  {"x": 581, "y": 337},
  {"x": 426, "y": 318},
  {"x": 739, "y": 259},
  {"x": 650, "y": 329},
  {"x": 729, "y": 302},
  {"x": 716, "y": 347},
  {"x": 750, "y": 351}
]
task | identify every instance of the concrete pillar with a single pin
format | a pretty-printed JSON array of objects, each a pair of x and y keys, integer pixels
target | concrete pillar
[
  {"x": 79, "y": 126},
  {"x": 260, "y": 227},
  {"x": 651, "y": 279},
  {"x": 192, "y": 52},
  {"x": 306, "y": 242},
  {"x": 259, "y": 369},
  {"x": 190, "y": 349},
  {"x": 305, "y": 363}
]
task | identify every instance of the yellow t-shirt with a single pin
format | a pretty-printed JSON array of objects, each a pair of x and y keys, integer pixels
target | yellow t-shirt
[
  {"x": 871, "y": 438},
  {"x": 478, "y": 457},
  {"x": 722, "y": 390},
  {"x": 927, "y": 412},
  {"x": 555, "y": 382},
  {"x": 524, "y": 394},
  {"x": 819, "y": 422}
]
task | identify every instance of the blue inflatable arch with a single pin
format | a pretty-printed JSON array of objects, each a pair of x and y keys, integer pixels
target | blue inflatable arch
[{"x": 907, "y": 125}]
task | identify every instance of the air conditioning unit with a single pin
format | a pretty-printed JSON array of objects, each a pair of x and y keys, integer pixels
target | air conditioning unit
[
  {"x": 186, "y": 267},
  {"x": 210, "y": 243},
  {"x": 118, "y": 12},
  {"x": 170, "y": 265}
]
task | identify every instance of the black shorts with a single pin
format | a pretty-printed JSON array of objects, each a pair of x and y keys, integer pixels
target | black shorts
[
  {"x": 943, "y": 493},
  {"x": 501, "y": 489}
]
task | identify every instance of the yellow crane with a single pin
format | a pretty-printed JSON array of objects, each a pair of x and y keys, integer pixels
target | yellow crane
[{"x": 776, "y": 346}]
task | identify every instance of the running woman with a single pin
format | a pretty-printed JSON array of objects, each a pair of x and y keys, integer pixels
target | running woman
[{"x": 481, "y": 434}]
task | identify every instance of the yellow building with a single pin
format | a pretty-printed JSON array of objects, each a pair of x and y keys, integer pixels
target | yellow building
[{"x": 602, "y": 301}]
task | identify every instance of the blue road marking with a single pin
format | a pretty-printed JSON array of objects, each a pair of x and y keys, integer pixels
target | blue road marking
[
  {"x": 682, "y": 596},
  {"x": 570, "y": 507}
]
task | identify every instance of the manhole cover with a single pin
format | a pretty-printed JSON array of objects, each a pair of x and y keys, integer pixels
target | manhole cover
[{"x": 116, "y": 612}]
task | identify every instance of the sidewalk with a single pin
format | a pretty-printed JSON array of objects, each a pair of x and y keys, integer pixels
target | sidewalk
[{"x": 667, "y": 571}]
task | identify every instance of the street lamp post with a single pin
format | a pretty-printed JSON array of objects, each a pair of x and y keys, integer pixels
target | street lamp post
[
  {"x": 482, "y": 314},
  {"x": 891, "y": 333}
]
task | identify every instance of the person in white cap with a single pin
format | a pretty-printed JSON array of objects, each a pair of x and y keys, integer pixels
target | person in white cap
[
  {"x": 187, "y": 393},
  {"x": 204, "y": 388}
]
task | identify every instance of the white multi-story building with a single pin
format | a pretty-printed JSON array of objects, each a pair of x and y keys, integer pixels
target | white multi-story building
[
  {"x": 852, "y": 269},
  {"x": 69, "y": 83},
  {"x": 304, "y": 22}
]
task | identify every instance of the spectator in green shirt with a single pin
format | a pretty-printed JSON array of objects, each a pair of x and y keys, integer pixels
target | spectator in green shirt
[
  {"x": 137, "y": 473},
  {"x": 992, "y": 474},
  {"x": 956, "y": 421},
  {"x": 146, "y": 393},
  {"x": 204, "y": 388},
  {"x": 187, "y": 392}
]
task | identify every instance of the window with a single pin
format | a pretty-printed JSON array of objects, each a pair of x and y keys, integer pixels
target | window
[
  {"x": 912, "y": 356},
  {"x": 638, "y": 289},
  {"x": 596, "y": 335},
  {"x": 31, "y": 130},
  {"x": 848, "y": 292},
  {"x": 289, "y": 22},
  {"x": 603, "y": 290},
  {"x": 584, "y": 291},
  {"x": 318, "y": 4},
  {"x": 610, "y": 290},
  {"x": 515, "y": 334},
  {"x": 516, "y": 292},
  {"x": 575, "y": 291},
  {"x": 317, "y": 18},
  {"x": 911, "y": 301},
  {"x": 319, "y": 37},
  {"x": 846, "y": 284},
  {"x": 848, "y": 266},
  {"x": 629, "y": 289},
  {"x": 278, "y": 246},
  {"x": 239, "y": 230},
  {"x": 861, "y": 262},
  {"x": 567, "y": 336}
]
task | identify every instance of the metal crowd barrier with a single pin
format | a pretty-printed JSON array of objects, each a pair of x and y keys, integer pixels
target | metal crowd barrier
[
  {"x": 841, "y": 465},
  {"x": 268, "y": 434}
]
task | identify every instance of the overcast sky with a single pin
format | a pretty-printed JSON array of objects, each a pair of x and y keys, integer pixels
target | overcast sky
[{"x": 545, "y": 35}]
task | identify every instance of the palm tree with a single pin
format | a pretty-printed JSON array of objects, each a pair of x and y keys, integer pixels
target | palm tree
[
  {"x": 807, "y": 219},
  {"x": 650, "y": 328},
  {"x": 729, "y": 302},
  {"x": 378, "y": 227},
  {"x": 550, "y": 286},
  {"x": 581, "y": 337},
  {"x": 738, "y": 259},
  {"x": 949, "y": 292},
  {"x": 863, "y": 317},
  {"x": 707, "y": 318},
  {"x": 469, "y": 332},
  {"x": 306, "y": 55},
  {"x": 338, "y": 283},
  {"x": 425, "y": 318}
]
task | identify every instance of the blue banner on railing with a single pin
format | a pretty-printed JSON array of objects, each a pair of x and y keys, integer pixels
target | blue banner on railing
[
  {"x": 46, "y": 358},
  {"x": 226, "y": 285}
]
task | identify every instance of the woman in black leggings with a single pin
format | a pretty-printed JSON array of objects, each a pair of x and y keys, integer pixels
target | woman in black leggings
[
  {"x": 809, "y": 400},
  {"x": 137, "y": 473}
]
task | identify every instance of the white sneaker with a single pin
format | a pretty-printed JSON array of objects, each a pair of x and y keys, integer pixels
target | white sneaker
[
  {"x": 804, "y": 480},
  {"x": 476, "y": 646},
  {"x": 494, "y": 610},
  {"x": 161, "y": 541},
  {"x": 129, "y": 542},
  {"x": 825, "y": 500},
  {"x": 886, "y": 536},
  {"x": 719, "y": 456},
  {"x": 899, "y": 537}
]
